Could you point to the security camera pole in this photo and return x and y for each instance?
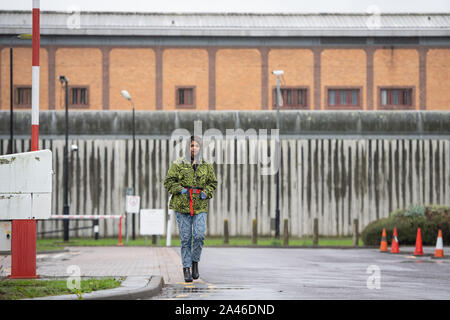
(278, 73)
(127, 96)
(64, 80)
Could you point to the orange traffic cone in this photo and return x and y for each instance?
(383, 245)
(394, 245)
(439, 253)
(419, 249)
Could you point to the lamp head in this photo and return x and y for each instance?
(125, 94)
(25, 36)
(63, 79)
(278, 72)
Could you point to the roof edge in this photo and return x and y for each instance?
(238, 13)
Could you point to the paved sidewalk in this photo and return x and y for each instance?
(141, 266)
(108, 261)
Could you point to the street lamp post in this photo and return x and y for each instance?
(127, 96)
(278, 73)
(65, 81)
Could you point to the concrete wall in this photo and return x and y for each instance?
(343, 166)
(114, 124)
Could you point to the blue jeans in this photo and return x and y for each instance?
(191, 227)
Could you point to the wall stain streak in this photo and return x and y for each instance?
(376, 179)
(322, 175)
(350, 190)
(315, 184)
(336, 183)
(308, 180)
(430, 161)
(410, 170)
(437, 172)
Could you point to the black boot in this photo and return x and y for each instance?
(195, 274)
(187, 274)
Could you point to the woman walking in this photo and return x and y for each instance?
(191, 184)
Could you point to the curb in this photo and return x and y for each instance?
(131, 288)
(249, 246)
(52, 251)
(8, 253)
(290, 247)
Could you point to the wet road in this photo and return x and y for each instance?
(272, 274)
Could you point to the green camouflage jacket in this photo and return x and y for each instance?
(181, 174)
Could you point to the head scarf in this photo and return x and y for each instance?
(199, 141)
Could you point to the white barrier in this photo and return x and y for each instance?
(26, 185)
(85, 217)
(92, 217)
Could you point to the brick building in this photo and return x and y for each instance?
(224, 61)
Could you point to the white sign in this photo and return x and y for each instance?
(133, 204)
(26, 185)
(152, 222)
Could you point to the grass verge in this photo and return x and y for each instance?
(58, 244)
(12, 289)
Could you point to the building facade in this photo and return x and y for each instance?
(225, 61)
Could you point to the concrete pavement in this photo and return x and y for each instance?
(254, 273)
(303, 274)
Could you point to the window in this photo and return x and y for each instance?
(78, 97)
(185, 97)
(22, 97)
(344, 98)
(396, 98)
(293, 98)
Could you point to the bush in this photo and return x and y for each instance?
(428, 218)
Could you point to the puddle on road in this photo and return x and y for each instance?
(424, 259)
(186, 290)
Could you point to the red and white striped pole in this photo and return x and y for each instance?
(35, 79)
(23, 241)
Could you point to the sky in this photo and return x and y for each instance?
(254, 6)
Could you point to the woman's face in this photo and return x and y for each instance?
(195, 149)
